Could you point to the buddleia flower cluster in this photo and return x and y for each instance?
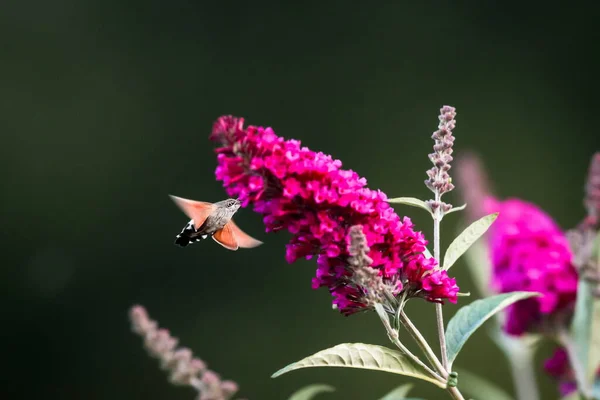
(308, 194)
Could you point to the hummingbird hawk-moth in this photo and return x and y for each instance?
(215, 220)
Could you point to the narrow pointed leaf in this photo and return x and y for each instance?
(399, 393)
(467, 238)
(469, 318)
(585, 328)
(363, 356)
(453, 209)
(427, 253)
(594, 355)
(310, 391)
(479, 387)
(411, 201)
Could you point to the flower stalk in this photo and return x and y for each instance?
(394, 338)
(439, 182)
(439, 315)
(183, 368)
(423, 345)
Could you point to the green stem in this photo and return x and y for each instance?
(520, 353)
(523, 374)
(393, 335)
(418, 337)
(437, 218)
(423, 345)
(455, 393)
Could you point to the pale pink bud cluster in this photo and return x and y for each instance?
(592, 191)
(367, 280)
(439, 181)
(183, 368)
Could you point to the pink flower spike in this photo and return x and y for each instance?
(309, 195)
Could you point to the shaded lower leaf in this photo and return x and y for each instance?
(467, 237)
(399, 393)
(310, 391)
(469, 318)
(596, 388)
(480, 388)
(585, 330)
(411, 201)
(594, 347)
(585, 326)
(363, 356)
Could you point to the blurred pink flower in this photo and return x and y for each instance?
(530, 252)
(558, 367)
(308, 194)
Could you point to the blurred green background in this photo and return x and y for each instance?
(107, 107)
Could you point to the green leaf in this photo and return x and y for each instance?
(594, 354)
(399, 393)
(427, 253)
(363, 356)
(453, 209)
(585, 327)
(479, 387)
(466, 321)
(467, 238)
(596, 388)
(310, 391)
(411, 201)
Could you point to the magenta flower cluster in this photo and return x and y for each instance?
(309, 194)
(530, 252)
(559, 367)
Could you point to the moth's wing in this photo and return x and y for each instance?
(197, 211)
(243, 239)
(226, 238)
